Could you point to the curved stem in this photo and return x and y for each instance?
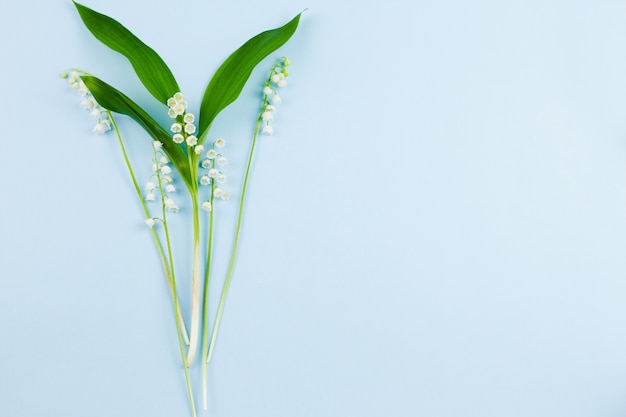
(178, 332)
(205, 305)
(166, 268)
(233, 255)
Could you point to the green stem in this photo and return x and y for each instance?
(195, 276)
(166, 268)
(205, 305)
(169, 270)
(233, 256)
(178, 330)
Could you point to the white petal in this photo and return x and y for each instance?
(192, 140)
(190, 128)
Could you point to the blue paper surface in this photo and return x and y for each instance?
(436, 228)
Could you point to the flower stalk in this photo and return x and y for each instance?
(195, 285)
(277, 76)
(177, 153)
(164, 208)
(168, 267)
(205, 306)
(214, 175)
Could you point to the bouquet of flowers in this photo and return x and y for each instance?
(183, 157)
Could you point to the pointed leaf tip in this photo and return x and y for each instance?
(149, 66)
(232, 75)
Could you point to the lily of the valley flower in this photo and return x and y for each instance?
(277, 77)
(171, 205)
(89, 102)
(179, 149)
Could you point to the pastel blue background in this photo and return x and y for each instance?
(436, 229)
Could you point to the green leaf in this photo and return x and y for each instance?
(114, 100)
(150, 68)
(232, 75)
